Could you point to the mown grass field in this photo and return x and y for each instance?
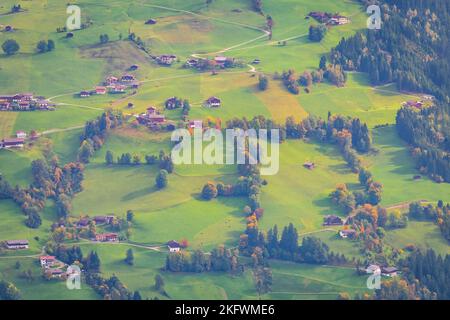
(176, 212)
(40, 289)
(424, 235)
(14, 228)
(299, 195)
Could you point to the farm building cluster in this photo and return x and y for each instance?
(25, 102)
(221, 62)
(332, 19)
(16, 142)
(166, 59)
(113, 85)
(426, 101)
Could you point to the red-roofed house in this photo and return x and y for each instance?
(47, 261)
(107, 237)
(100, 90)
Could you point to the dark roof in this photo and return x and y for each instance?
(17, 242)
(389, 270)
(173, 244)
(13, 141)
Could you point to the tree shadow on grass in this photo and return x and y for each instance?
(139, 193)
(341, 168)
(327, 207)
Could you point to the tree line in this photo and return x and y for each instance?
(95, 132)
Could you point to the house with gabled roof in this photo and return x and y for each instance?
(17, 244)
(100, 90)
(173, 246)
(166, 59)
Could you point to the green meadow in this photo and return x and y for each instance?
(291, 281)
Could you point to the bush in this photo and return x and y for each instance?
(209, 191)
(10, 47)
(161, 179)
